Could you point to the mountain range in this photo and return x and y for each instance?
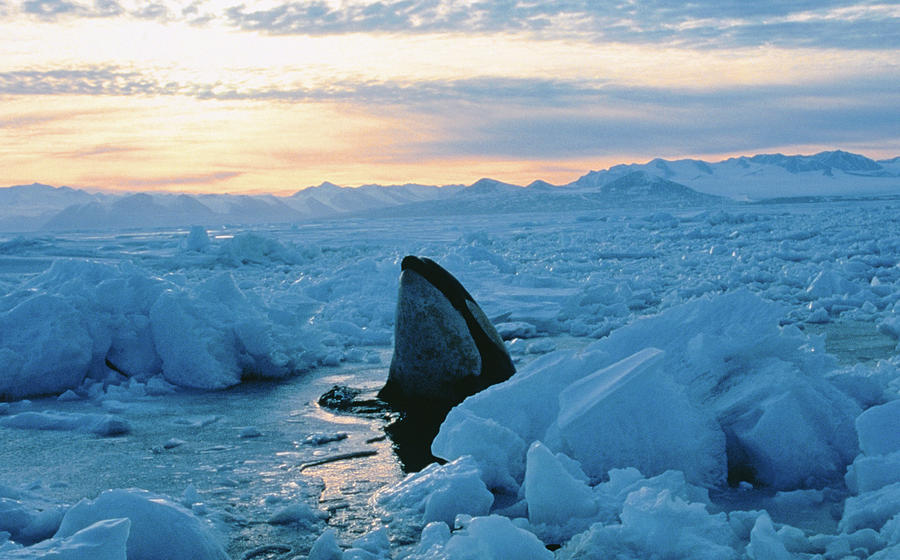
(657, 183)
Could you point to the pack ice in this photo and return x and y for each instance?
(699, 421)
(82, 317)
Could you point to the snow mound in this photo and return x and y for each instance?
(251, 248)
(605, 422)
(659, 524)
(553, 494)
(152, 517)
(45, 347)
(100, 424)
(879, 429)
(437, 493)
(731, 388)
(481, 538)
(103, 540)
(874, 475)
(86, 319)
(27, 518)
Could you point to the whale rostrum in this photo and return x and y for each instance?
(445, 347)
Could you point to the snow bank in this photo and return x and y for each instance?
(656, 523)
(249, 248)
(481, 538)
(554, 495)
(145, 525)
(80, 318)
(632, 413)
(44, 345)
(731, 389)
(100, 424)
(27, 518)
(160, 529)
(629, 516)
(874, 476)
(437, 493)
(103, 540)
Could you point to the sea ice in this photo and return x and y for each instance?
(554, 496)
(100, 424)
(26, 518)
(374, 545)
(871, 509)
(45, 347)
(80, 318)
(656, 523)
(869, 473)
(297, 514)
(631, 413)
(437, 493)
(151, 517)
(879, 429)
(500, 452)
(764, 542)
(197, 240)
(782, 423)
(326, 547)
(484, 538)
(724, 294)
(103, 540)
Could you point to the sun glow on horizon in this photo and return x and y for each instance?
(204, 104)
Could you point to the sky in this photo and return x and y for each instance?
(274, 96)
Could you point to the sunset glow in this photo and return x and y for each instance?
(218, 96)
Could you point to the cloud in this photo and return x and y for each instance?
(95, 151)
(114, 80)
(49, 9)
(199, 179)
(521, 118)
(87, 81)
(542, 119)
(853, 24)
(646, 120)
(704, 23)
(153, 11)
(54, 10)
(21, 121)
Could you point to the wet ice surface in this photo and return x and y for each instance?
(556, 281)
(204, 440)
(244, 450)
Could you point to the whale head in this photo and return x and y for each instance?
(445, 347)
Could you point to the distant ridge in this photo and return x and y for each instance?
(832, 173)
(657, 183)
(646, 187)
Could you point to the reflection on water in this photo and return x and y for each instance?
(196, 444)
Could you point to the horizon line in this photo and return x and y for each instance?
(287, 192)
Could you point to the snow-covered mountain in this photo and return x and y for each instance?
(835, 173)
(30, 206)
(657, 183)
(330, 199)
(646, 187)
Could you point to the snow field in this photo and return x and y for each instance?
(698, 364)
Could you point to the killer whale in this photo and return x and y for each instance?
(445, 347)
